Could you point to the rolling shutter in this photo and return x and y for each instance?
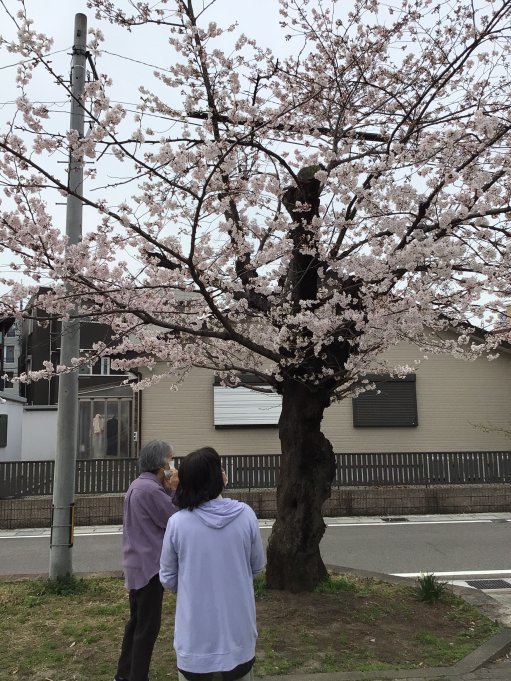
(393, 404)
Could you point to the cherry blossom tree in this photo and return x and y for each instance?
(299, 216)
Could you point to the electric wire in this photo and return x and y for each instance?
(29, 59)
(136, 61)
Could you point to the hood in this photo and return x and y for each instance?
(218, 513)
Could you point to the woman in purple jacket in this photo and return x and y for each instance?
(147, 507)
(211, 552)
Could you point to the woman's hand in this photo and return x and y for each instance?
(171, 483)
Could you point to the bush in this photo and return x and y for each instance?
(429, 588)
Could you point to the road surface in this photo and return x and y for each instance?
(455, 547)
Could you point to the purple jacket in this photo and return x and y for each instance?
(147, 508)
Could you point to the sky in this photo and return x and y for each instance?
(56, 18)
(127, 58)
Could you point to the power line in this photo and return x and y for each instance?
(137, 61)
(26, 61)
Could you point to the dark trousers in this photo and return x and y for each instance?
(141, 631)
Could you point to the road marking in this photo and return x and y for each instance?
(468, 573)
(408, 522)
(46, 535)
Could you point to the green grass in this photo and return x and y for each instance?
(72, 631)
(259, 585)
(429, 588)
(332, 585)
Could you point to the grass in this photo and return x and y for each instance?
(71, 631)
(429, 588)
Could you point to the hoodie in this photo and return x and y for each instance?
(209, 557)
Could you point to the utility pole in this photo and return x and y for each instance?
(62, 524)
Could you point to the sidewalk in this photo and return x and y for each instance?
(263, 523)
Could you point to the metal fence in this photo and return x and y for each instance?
(423, 468)
(110, 476)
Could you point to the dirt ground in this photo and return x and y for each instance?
(358, 624)
(377, 626)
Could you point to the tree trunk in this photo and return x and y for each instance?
(306, 473)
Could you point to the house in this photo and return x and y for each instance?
(448, 404)
(10, 354)
(11, 425)
(11, 405)
(107, 407)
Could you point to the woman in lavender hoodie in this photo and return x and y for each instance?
(211, 552)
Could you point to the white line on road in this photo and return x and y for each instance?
(46, 535)
(407, 522)
(467, 573)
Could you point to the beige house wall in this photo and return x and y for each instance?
(454, 398)
(185, 418)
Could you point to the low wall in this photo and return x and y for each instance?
(345, 501)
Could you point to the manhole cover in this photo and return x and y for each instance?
(489, 583)
(395, 520)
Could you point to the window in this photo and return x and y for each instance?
(3, 430)
(97, 367)
(12, 332)
(9, 354)
(105, 428)
(392, 404)
(245, 407)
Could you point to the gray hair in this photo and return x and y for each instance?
(154, 455)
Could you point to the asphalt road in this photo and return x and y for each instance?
(455, 546)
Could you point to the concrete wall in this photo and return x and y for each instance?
(347, 501)
(455, 401)
(39, 434)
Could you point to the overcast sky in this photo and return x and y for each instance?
(127, 59)
(258, 19)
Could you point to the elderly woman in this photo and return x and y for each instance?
(147, 507)
(211, 552)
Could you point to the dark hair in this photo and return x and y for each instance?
(200, 478)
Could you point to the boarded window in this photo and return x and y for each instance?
(393, 403)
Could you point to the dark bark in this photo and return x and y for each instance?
(306, 473)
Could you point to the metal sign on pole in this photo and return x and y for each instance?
(62, 527)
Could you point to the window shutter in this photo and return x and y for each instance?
(393, 404)
(242, 407)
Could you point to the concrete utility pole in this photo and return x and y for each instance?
(62, 524)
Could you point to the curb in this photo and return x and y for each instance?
(44, 575)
